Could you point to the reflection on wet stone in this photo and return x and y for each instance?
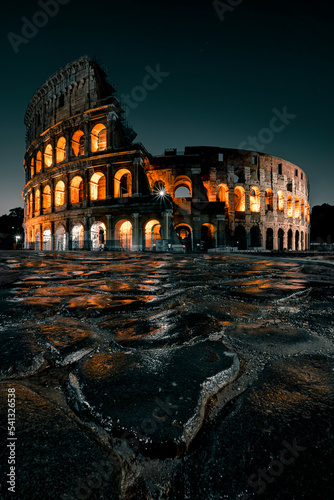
(181, 376)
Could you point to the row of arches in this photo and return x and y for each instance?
(41, 199)
(58, 154)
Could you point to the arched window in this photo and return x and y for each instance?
(76, 189)
(48, 156)
(239, 199)
(37, 200)
(38, 162)
(297, 209)
(255, 199)
(222, 194)
(308, 214)
(99, 138)
(78, 143)
(60, 194)
(302, 208)
(46, 197)
(123, 235)
(61, 150)
(289, 206)
(32, 168)
(31, 211)
(98, 186)
(268, 197)
(123, 183)
(280, 201)
(182, 187)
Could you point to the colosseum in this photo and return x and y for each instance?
(89, 186)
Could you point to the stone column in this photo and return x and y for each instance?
(285, 240)
(108, 181)
(67, 191)
(166, 230)
(111, 123)
(221, 233)
(53, 237)
(52, 186)
(41, 240)
(136, 239)
(87, 139)
(67, 235)
(275, 239)
(135, 180)
(68, 145)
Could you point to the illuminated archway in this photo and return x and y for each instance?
(255, 199)
(290, 239)
(152, 234)
(60, 238)
(223, 194)
(78, 143)
(98, 186)
(302, 208)
(32, 168)
(48, 156)
(99, 138)
(123, 183)
(98, 234)
(239, 199)
(297, 240)
(208, 236)
(77, 237)
(37, 200)
(47, 239)
(289, 206)
(38, 162)
(280, 236)
(182, 187)
(268, 197)
(60, 194)
(31, 204)
(76, 189)
(297, 209)
(61, 150)
(280, 201)
(123, 235)
(185, 235)
(240, 240)
(37, 241)
(46, 197)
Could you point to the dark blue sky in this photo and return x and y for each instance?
(225, 77)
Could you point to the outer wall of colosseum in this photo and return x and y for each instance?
(89, 186)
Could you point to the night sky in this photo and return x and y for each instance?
(227, 71)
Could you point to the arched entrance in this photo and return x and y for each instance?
(153, 235)
(77, 237)
(123, 235)
(37, 241)
(47, 239)
(270, 239)
(208, 236)
(280, 237)
(184, 233)
(290, 239)
(255, 236)
(302, 240)
(297, 240)
(240, 238)
(60, 239)
(98, 235)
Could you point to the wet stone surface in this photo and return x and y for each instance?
(142, 376)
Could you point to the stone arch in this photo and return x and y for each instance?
(297, 208)
(48, 156)
(239, 199)
(269, 239)
(123, 235)
(99, 138)
(223, 194)
(152, 232)
(240, 239)
(185, 235)
(77, 236)
(302, 208)
(269, 200)
(78, 143)
(290, 236)
(60, 194)
(255, 199)
(98, 186)
(98, 232)
(280, 201)
(255, 236)
(46, 197)
(76, 189)
(60, 238)
(61, 150)
(37, 200)
(32, 168)
(280, 237)
(182, 187)
(208, 232)
(123, 183)
(289, 206)
(297, 240)
(47, 239)
(38, 162)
